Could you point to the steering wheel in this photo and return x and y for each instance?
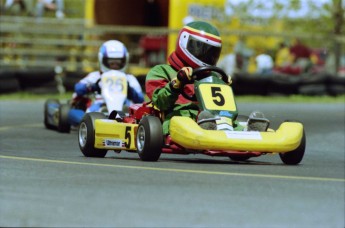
(199, 76)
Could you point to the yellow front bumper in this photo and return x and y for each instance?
(187, 133)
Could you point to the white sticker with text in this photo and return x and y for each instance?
(113, 143)
(252, 135)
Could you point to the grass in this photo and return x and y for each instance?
(276, 99)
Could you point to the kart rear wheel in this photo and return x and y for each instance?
(63, 123)
(294, 157)
(46, 113)
(86, 135)
(149, 138)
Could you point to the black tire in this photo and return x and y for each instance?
(46, 104)
(149, 138)
(239, 157)
(294, 157)
(63, 123)
(86, 135)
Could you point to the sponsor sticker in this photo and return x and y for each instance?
(113, 143)
(106, 120)
(226, 113)
(251, 135)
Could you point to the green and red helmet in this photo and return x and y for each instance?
(199, 44)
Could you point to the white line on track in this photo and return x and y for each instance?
(176, 170)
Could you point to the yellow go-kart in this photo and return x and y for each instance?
(140, 130)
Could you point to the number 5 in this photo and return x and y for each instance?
(128, 136)
(216, 93)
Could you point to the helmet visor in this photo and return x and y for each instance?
(114, 63)
(205, 52)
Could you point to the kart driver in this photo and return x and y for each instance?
(112, 55)
(198, 44)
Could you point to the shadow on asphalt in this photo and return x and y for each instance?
(197, 161)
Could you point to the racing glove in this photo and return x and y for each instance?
(183, 76)
(94, 88)
(229, 80)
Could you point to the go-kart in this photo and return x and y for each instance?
(140, 131)
(113, 96)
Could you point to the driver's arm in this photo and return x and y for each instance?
(158, 87)
(88, 84)
(135, 92)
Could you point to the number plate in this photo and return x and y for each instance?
(114, 83)
(217, 97)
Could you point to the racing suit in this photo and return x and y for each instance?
(82, 88)
(166, 98)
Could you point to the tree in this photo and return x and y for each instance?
(320, 22)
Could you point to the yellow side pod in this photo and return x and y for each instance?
(110, 134)
(187, 133)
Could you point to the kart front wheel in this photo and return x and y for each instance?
(149, 139)
(294, 157)
(86, 135)
(63, 123)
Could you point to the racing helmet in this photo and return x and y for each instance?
(113, 55)
(199, 44)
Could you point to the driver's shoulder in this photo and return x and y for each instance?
(162, 67)
(91, 77)
(94, 74)
(160, 70)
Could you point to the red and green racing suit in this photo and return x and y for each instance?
(167, 99)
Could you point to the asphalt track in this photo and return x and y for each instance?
(45, 181)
